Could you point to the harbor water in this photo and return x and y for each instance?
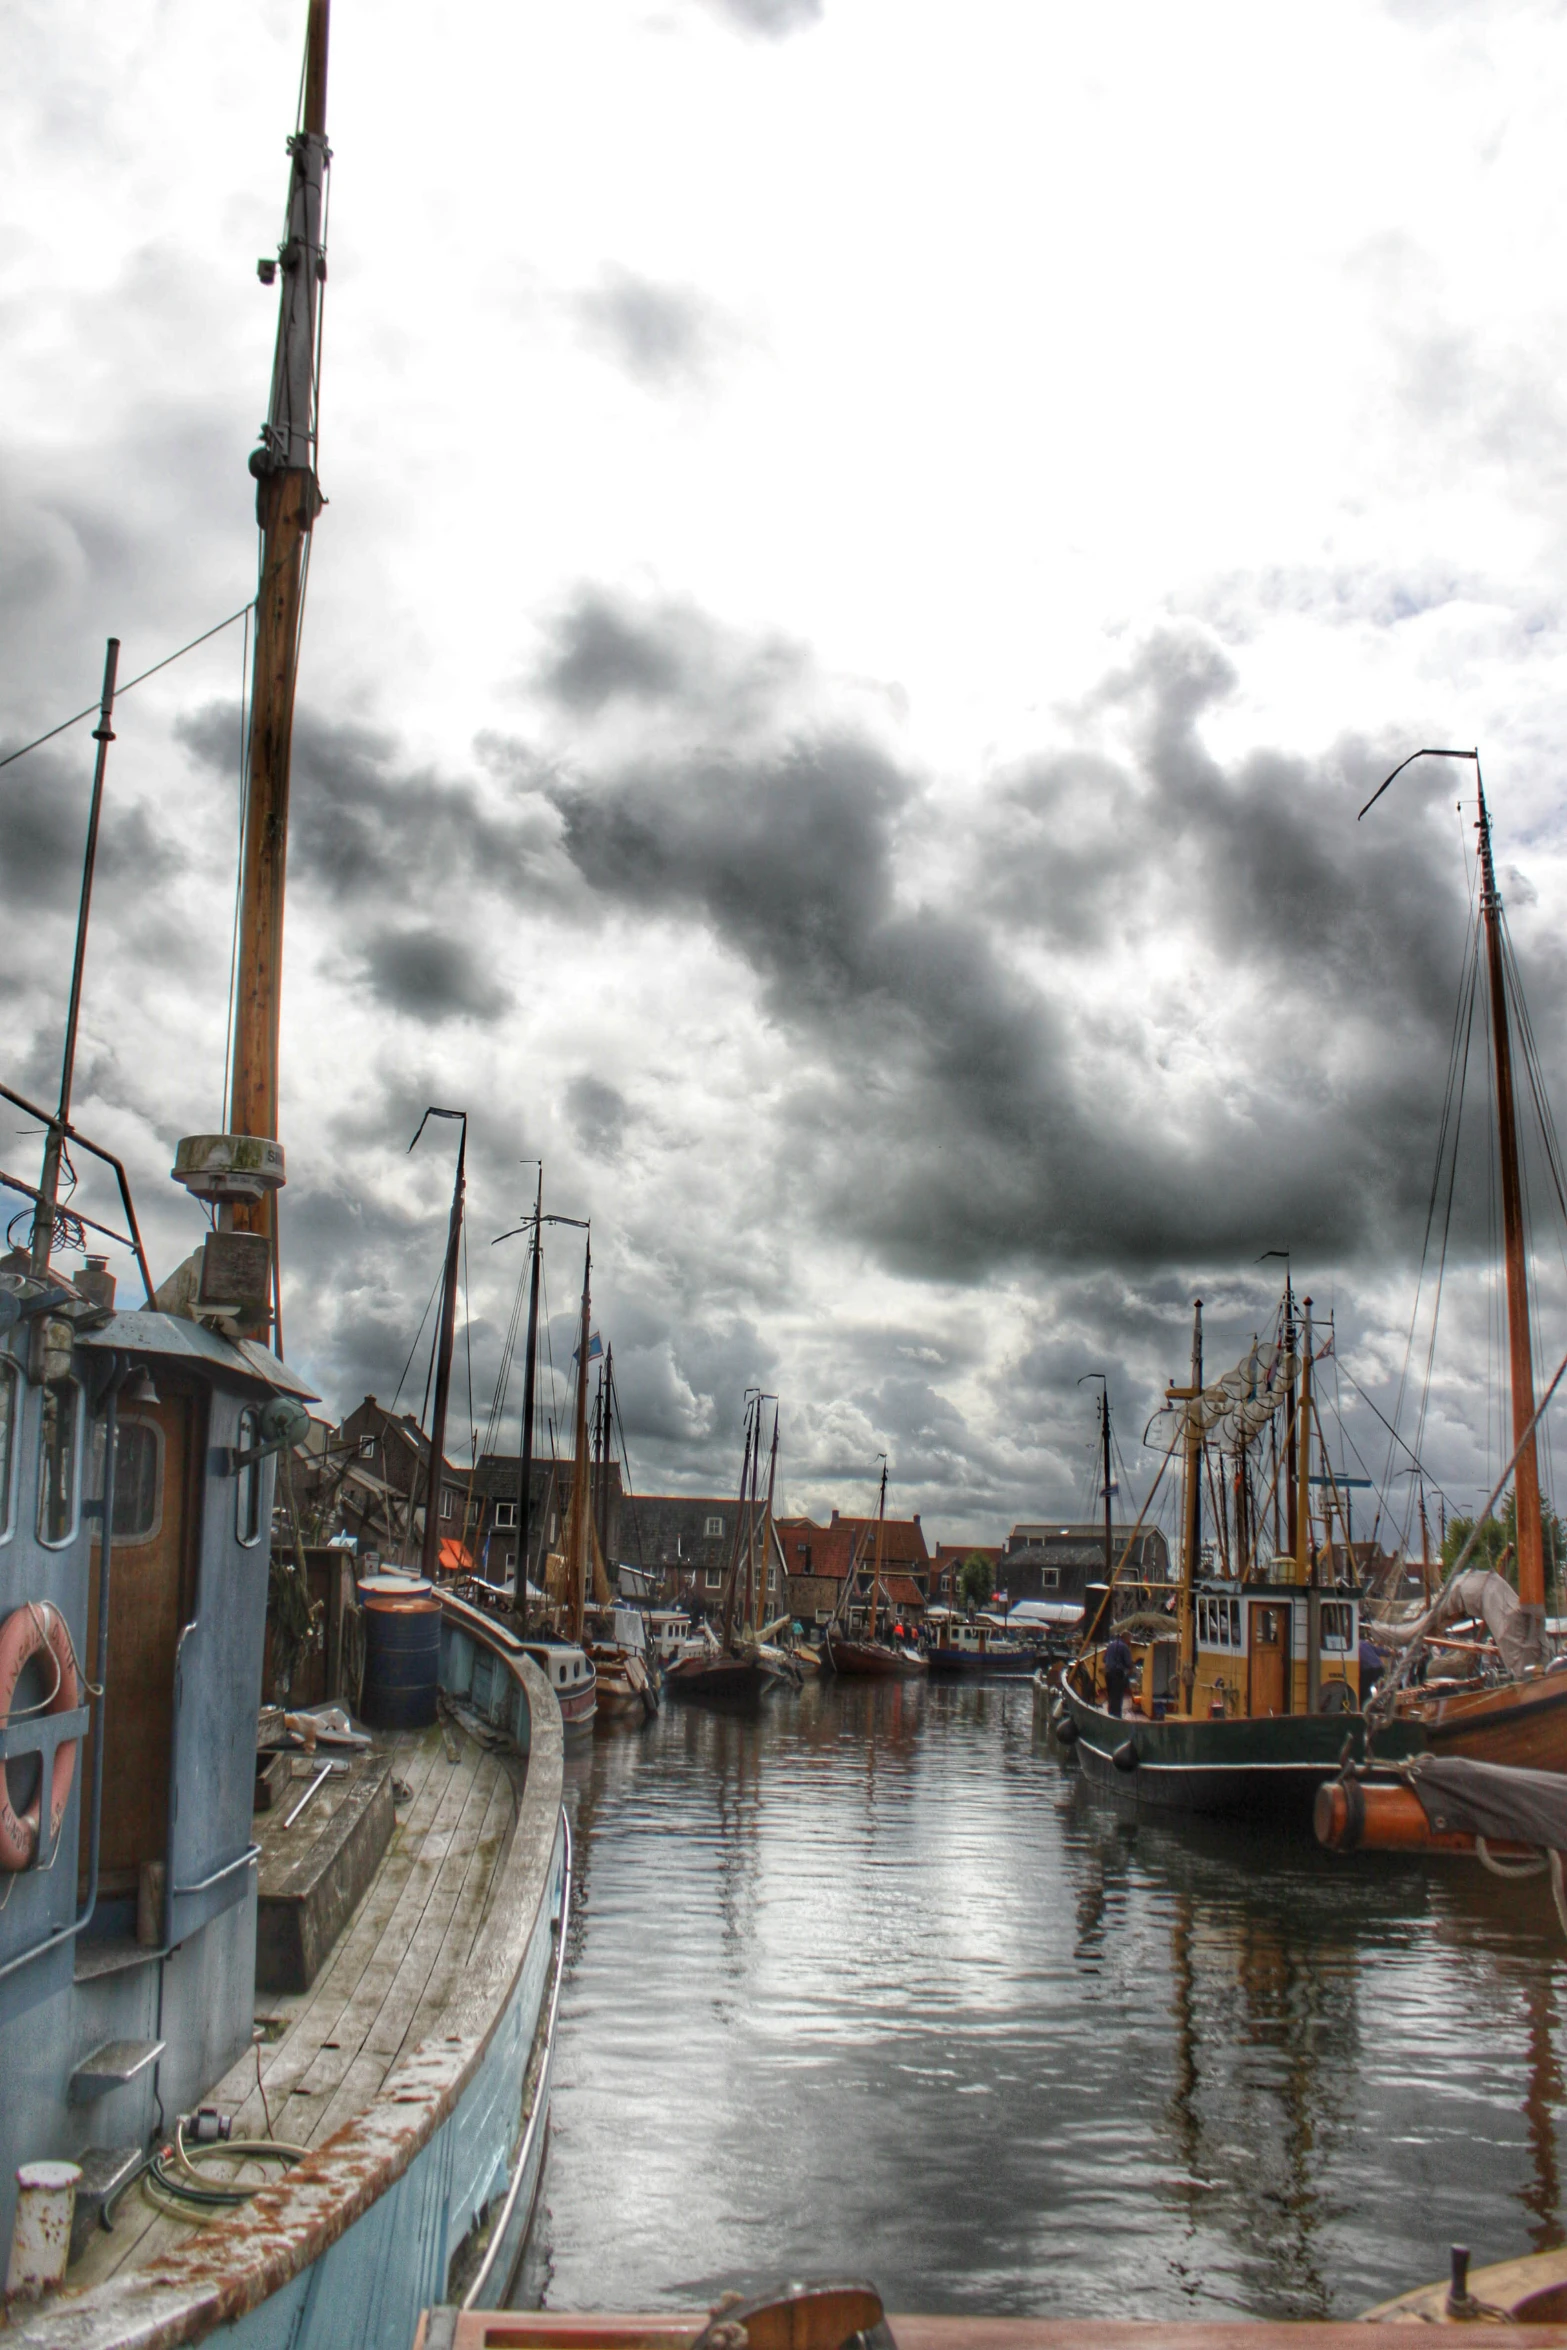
(875, 1984)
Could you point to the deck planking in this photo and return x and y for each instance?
(398, 1962)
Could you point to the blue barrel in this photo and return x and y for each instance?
(402, 1659)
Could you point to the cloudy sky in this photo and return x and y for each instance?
(874, 550)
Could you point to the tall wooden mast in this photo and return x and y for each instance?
(1526, 1477)
(1530, 1535)
(446, 1333)
(239, 1173)
(881, 1528)
(1191, 1513)
(580, 1547)
(288, 499)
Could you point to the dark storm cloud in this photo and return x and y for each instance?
(664, 336)
(365, 828)
(598, 1115)
(44, 803)
(428, 975)
(957, 1105)
(668, 656)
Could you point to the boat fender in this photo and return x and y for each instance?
(34, 1629)
(1125, 1756)
(1065, 1728)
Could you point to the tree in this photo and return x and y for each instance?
(1499, 1534)
(976, 1581)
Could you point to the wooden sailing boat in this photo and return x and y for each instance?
(740, 1667)
(1247, 1693)
(1520, 1717)
(866, 1655)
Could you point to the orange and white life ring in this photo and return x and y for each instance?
(34, 1628)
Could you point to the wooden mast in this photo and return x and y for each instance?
(881, 1523)
(732, 1579)
(767, 1522)
(1104, 1421)
(519, 1597)
(577, 1553)
(430, 1554)
(1526, 1477)
(288, 500)
(1191, 1514)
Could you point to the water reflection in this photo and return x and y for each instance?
(875, 1983)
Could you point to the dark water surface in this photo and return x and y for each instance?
(876, 1984)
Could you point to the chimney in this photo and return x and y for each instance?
(835, 1517)
(916, 1517)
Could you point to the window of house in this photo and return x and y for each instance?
(58, 1445)
(367, 1448)
(448, 1501)
(511, 1562)
(713, 1529)
(554, 1528)
(1049, 1578)
(1219, 1624)
(505, 1513)
(713, 1578)
(247, 1498)
(9, 1390)
(1338, 1627)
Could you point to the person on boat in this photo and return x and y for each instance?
(1118, 1673)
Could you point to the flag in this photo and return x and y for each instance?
(595, 1348)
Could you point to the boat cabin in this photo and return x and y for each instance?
(1266, 1647)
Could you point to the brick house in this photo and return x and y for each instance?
(383, 1460)
(687, 1541)
(493, 1513)
(948, 1564)
(818, 1559)
(1052, 1561)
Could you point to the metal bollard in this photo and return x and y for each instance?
(41, 2238)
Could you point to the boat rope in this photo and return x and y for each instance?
(94, 707)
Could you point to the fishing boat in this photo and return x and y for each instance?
(372, 2140)
(975, 1647)
(867, 1653)
(739, 1666)
(1515, 1710)
(1246, 1685)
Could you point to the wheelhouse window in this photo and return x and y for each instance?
(1338, 1627)
(58, 1464)
(1219, 1624)
(247, 1495)
(138, 1477)
(10, 1386)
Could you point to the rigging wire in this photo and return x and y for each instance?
(121, 691)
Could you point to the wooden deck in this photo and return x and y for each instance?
(386, 1987)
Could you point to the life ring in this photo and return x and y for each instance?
(37, 1625)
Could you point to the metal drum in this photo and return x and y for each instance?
(402, 1657)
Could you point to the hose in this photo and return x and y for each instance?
(195, 2197)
